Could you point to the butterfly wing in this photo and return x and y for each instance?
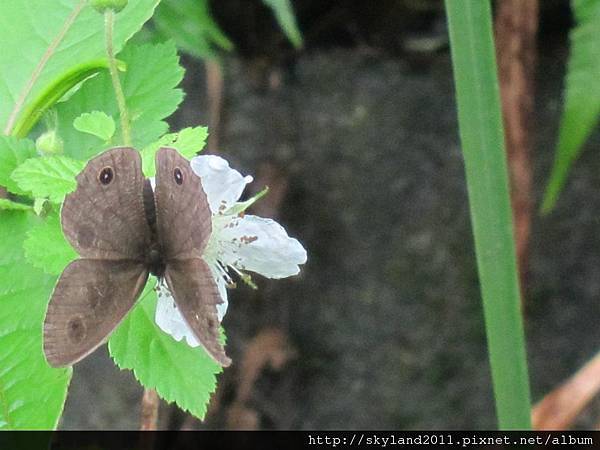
(89, 301)
(104, 218)
(196, 294)
(183, 217)
(183, 221)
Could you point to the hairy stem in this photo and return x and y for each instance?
(109, 21)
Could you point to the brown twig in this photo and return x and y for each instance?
(214, 91)
(269, 348)
(516, 29)
(149, 412)
(558, 409)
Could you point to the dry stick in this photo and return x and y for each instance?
(516, 29)
(38, 70)
(558, 409)
(214, 91)
(149, 412)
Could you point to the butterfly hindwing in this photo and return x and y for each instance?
(89, 301)
(196, 295)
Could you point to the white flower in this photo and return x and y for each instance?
(239, 242)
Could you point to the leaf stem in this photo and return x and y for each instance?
(109, 20)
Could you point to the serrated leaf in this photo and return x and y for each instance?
(177, 371)
(190, 24)
(96, 123)
(582, 97)
(46, 247)
(75, 31)
(149, 85)
(32, 394)
(189, 142)
(284, 13)
(14, 206)
(48, 176)
(13, 152)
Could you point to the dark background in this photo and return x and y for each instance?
(356, 135)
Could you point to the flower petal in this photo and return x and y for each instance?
(260, 245)
(222, 285)
(169, 319)
(222, 184)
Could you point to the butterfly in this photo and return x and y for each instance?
(124, 231)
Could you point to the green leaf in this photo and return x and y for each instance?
(582, 96)
(284, 13)
(13, 152)
(177, 371)
(32, 394)
(190, 24)
(46, 247)
(60, 36)
(482, 138)
(14, 206)
(189, 142)
(54, 92)
(149, 85)
(96, 123)
(48, 176)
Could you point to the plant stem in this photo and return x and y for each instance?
(516, 28)
(149, 413)
(109, 20)
(482, 137)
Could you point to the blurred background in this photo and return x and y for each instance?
(354, 130)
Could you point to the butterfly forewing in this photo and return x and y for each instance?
(183, 216)
(89, 301)
(104, 218)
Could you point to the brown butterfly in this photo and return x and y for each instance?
(124, 231)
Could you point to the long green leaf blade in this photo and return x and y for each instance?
(582, 96)
(482, 139)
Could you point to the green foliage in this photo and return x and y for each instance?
(59, 36)
(190, 24)
(10, 205)
(53, 93)
(189, 142)
(284, 13)
(149, 85)
(31, 393)
(46, 247)
(50, 143)
(103, 5)
(13, 152)
(96, 123)
(582, 96)
(177, 371)
(482, 138)
(48, 176)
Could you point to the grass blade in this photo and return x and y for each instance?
(482, 139)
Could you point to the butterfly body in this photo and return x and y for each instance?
(125, 231)
(154, 260)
